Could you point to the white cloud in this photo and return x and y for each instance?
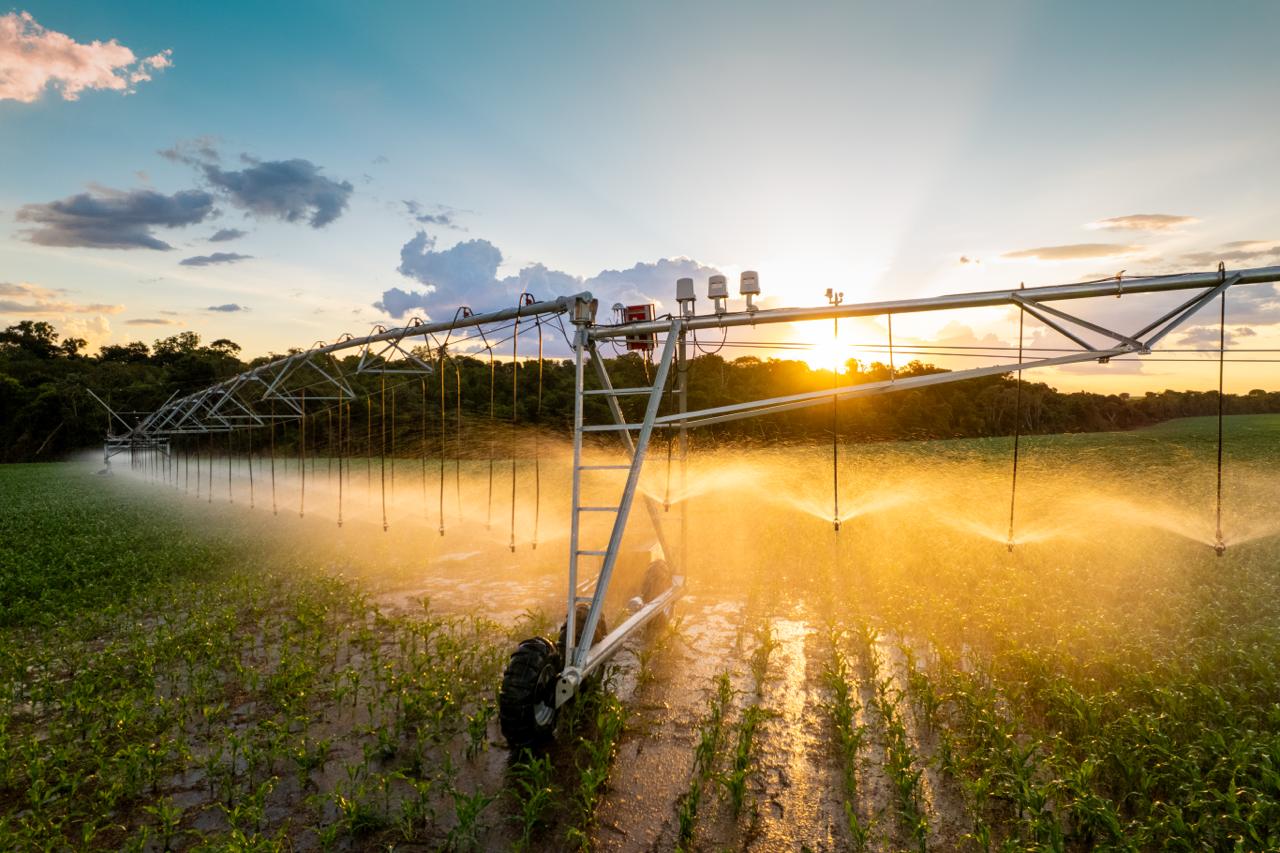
(1144, 222)
(33, 300)
(1073, 252)
(96, 330)
(33, 59)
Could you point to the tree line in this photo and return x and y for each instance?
(47, 413)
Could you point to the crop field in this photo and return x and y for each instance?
(193, 672)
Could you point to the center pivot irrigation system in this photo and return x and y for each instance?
(541, 677)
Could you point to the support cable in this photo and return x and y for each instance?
(892, 371)
(231, 453)
(537, 432)
(515, 399)
(423, 382)
(671, 442)
(341, 453)
(835, 298)
(1017, 432)
(302, 456)
(249, 438)
(457, 453)
(274, 509)
(488, 518)
(1219, 544)
(442, 441)
(382, 454)
(835, 433)
(393, 437)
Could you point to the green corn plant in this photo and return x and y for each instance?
(534, 792)
(467, 809)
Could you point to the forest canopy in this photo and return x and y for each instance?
(48, 413)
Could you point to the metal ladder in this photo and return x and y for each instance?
(580, 659)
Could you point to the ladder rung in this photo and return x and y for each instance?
(617, 392)
(597, 509)
(591, 553)
(604, 467)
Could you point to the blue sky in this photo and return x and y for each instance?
(865, 146)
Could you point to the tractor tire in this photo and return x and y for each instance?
(657, 580)
(527, 700)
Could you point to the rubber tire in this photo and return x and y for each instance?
(657, 580)
(527, 699)
(580, 620)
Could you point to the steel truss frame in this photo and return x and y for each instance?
(314, 376)
(673, 332)
(236, 403)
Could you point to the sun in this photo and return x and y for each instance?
(830, 353)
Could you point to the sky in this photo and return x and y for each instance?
(279, 174)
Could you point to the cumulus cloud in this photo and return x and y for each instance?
(228, 308)
(95, 331)
(466, 274)
(32, 299)
(1143, 222)
(1073, 252)
(215, 258)
(34, 60)
(645, 282)
(113, 219)
(223, 235)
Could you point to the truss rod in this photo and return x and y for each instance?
(981, 299)
(754, 408)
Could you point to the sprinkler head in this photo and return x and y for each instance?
(442, 530)
(1220, 547)
(835, 522)
(1009, 545)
